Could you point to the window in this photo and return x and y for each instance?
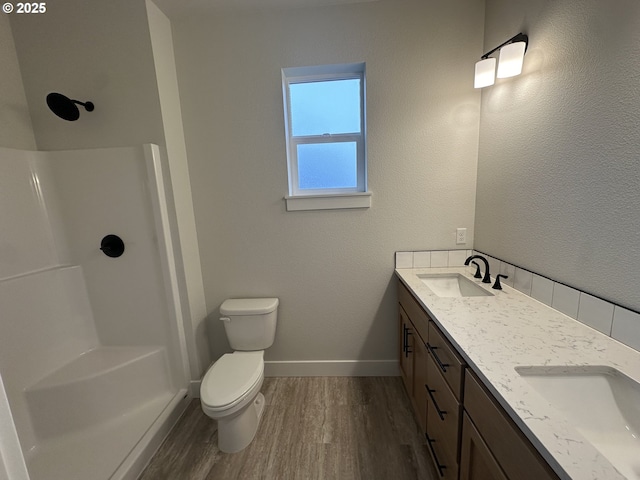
(325, 134)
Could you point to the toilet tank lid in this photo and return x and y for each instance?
(248, 306)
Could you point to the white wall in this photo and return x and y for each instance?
(16, 131)
(332, 270)
(558, 169)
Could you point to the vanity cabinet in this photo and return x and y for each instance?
(469, 435)
(432, 372)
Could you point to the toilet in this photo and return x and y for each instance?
(230, 390)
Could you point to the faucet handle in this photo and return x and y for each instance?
(497, 285)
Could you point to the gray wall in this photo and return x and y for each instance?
(332, 270)
(558, 170)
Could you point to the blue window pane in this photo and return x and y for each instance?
(325, 107)
(327, 165)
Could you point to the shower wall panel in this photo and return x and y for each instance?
(46, 322)
(102, 192)
(77, 325)
(108, 191)
(26, 243)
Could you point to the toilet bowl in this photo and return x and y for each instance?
(230, 390)
(230, 394)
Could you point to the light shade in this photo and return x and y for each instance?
(511, 59)
(485, 73)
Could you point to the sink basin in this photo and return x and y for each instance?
(453, 285)
(602, 404)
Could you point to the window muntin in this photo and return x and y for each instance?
(325, 128)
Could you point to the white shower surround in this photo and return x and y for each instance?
(79, 324)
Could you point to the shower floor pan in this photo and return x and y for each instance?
(88, 415)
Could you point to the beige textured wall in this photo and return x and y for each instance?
(332, 270)
(16, 131)
(558, 170)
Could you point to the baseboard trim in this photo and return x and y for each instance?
(332, 368)
(322, 368)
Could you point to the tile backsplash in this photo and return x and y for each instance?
(432, 258)
(611, 319)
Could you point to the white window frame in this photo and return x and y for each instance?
(325, 198)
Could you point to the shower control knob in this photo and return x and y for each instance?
(112, 246)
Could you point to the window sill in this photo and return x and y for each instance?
(328, 202)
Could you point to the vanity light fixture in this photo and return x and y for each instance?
(485, 73)
(509, 62)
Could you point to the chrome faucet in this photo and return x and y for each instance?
(487, 277)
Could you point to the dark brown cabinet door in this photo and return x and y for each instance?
(476, 461)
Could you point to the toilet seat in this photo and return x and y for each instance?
(230, 379)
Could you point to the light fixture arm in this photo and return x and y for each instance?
(521, 37)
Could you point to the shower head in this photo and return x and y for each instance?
(66, 108)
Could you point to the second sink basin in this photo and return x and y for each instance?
(601, 403)
(453, 285)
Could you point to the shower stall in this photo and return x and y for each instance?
(93, 363)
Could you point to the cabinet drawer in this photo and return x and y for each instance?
(418, 316)
(446, 465)
(512, 450)
(446, 359)
(444, 410)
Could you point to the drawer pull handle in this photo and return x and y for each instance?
(404, 339)
(443, 366)
(441, 413)
(435, 457)
(405, 347)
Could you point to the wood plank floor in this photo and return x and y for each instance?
(312, 428)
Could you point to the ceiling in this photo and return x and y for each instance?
(173, 8)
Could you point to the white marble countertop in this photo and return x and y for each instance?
(495, 334)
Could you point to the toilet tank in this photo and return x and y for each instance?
(250, 323)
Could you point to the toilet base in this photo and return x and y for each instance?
(237, 432)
